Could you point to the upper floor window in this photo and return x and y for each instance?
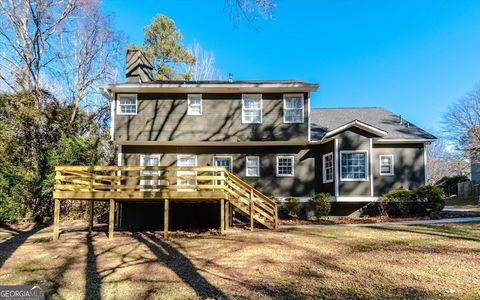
(293, 107)
(386, 165)
(251, 109)
(328, 167)
(353, 165)
(252, 166)
(284, 165)
(194, 104)
(127, 105)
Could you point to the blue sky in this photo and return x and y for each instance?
(412, 57)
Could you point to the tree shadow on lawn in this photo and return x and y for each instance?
(181, 265)
(93, 281)
(8, 247)
(347, 291)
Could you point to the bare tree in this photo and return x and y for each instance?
(26, 30)
(204, 67)
(444, 163)
(462, 124)
(88, 53)
(250, 10)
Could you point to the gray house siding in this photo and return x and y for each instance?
(163, 117)
(351, 140)
(302, 184)
(409, 169)
(320, 186)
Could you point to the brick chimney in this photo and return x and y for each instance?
(138, 68)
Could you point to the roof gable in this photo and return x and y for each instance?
(325, 120)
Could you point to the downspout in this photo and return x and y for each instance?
(425, 163)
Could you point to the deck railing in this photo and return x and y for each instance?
(131, 183)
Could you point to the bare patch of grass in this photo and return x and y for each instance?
(378, 262)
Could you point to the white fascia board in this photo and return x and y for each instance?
(354, 199)
(357, 124)
(393, 141)
(210, 87)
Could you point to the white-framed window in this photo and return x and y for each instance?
(149, 160)
(386, 164)
(293, 108)
(194, 105)
(252, 166)
(222, 161)
(186, 160)
(327, 167)
(127, 104)
(252, 108)
(285, 166)
(353, 165)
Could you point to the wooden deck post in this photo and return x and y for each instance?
(165, 219)
(56, 220)
(252, 210)
(222, 216)
(90, 215)
(226, 215)
(111, 218)
(276, 218)
(230, 214)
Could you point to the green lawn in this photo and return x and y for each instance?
(378, 262)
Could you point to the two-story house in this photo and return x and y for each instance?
(265, 132)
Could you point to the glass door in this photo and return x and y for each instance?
(186, 161)
(149, 160)
(222, 161)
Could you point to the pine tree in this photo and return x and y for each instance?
(163, 47)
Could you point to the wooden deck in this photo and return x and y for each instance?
(139, 183)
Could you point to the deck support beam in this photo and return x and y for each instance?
(111, 218)
(56, 220)
(222, 216)
(165, 219)
(90, 215)
(230, 214)
(226, 215)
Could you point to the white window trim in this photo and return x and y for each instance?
(392, 169)
(224, 156)
(293, 165)
(258, 166)
(189, 96)
(261, 108)
(367, 174)
(179, 173)
(142, 181)
(284, 108)
(119, 108)
(325, 169)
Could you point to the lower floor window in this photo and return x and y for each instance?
(386, 165)
(284, 165)
(353, 165)
(252, 166)
(328, 167)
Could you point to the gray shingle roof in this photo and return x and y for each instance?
(327, 119)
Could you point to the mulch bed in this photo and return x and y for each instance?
(380, 219)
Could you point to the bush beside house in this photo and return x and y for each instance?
(408, 203)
